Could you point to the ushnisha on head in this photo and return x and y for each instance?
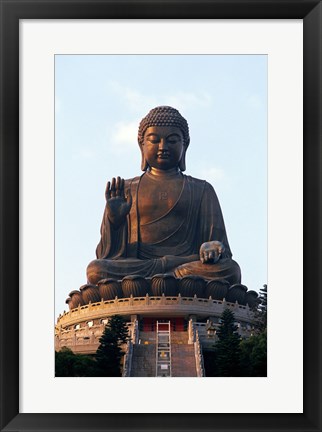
(169, 117)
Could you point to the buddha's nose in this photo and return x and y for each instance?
(163, 144)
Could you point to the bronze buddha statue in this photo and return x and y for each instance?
(163, 221)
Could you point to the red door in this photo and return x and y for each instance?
(149, 324)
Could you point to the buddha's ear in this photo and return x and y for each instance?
(144, 164)
(182, 162)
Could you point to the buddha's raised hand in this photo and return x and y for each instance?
(117, 204)
(210, 252)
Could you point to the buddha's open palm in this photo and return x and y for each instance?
(117, 204)
(210, 252)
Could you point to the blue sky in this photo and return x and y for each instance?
(99, 102)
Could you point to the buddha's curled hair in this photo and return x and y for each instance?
(164, 116)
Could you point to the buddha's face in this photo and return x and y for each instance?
(163, 146)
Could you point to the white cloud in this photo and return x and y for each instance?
(213, 175)
(85, 153)
(124, 137)
(134, 100)
(141, 102)
(184, 100)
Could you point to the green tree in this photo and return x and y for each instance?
(85, 366)
(210, 363)
(253, 356)
(68, 364)
(107, 360)
(261, 311)
(109, 354)
(118, 326)
(64, 363)
(227, 348)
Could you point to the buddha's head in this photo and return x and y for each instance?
(163, 139)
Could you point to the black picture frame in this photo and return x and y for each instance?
(11, 12)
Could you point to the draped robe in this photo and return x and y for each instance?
(164, 244)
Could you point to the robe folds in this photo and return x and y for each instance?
(173, 240)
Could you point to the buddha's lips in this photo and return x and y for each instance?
(163, 155)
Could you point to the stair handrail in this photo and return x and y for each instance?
(134, 338)
(156, 347)
(191, 333)
(198, 354)
(135, 332)
(170, 359)
(128, 359)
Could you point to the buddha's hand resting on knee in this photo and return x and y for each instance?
(117, 204)
(210, 252)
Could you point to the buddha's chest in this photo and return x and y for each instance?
(156, 197)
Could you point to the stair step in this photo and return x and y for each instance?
(183, 363)
(143, 361)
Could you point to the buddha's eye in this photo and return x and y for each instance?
(173, 139)
(153, 139)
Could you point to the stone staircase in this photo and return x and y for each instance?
(143, 360)
(183, 361)
(176, 337)
(179, 338)
(147, 337)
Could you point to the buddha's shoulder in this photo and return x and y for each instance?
(132, 181)
(198, 183)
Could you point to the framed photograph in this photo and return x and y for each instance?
(48, 51)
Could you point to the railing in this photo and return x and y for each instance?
(124, 305)
(135, 332)
(81, 336)
(88, 335)
(208, 331)
(193, 335)
(199, 357)
(128, 359)
(194, 338)
(191, 332)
